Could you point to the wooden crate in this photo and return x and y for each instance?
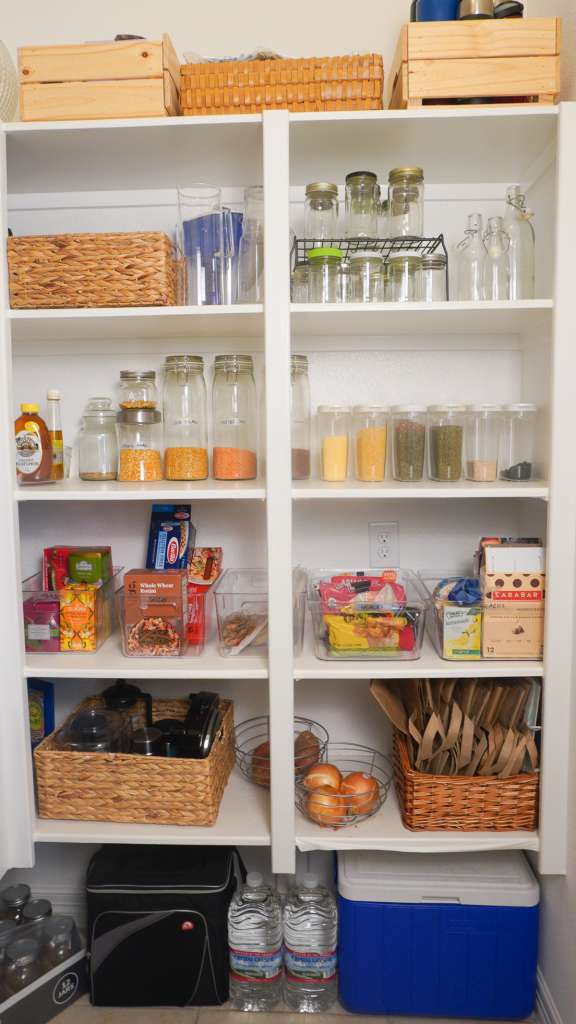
(129, 78)
(515, 60)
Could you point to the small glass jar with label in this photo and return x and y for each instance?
(406, 202)
(370, 429)
(404, 273)
(323, 276)
(366, 267)
(139, 445)
(333, 436)
(433, 278)
(138, 389)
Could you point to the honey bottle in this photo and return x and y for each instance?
(33, 447)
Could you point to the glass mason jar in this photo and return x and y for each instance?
(22, 964)
(234, 418)
(300, 402)
(404, 277)
(299, 283)
(60, 940)
(433, 278)
(366, 272)
(408, 442)
(140, 445)
(321, 211)
(323, 274)
(333, 432)
(362, 203)
(445, 437)
(481, 441)
(344, 284)
(406, 202)
(138, 389)
(369, 427)
(13, 900)
(518, 441)
(185, 419)
(97, 443)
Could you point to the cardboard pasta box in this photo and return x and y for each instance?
(155, 612)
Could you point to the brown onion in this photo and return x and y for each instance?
(323, 775)
(362, 792)
(324, 806)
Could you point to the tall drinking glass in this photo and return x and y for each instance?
(251, 252)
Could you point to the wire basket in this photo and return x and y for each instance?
(332, 809)
(252, 747)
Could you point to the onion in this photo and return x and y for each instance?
(362, 792)
(324, 806)
(323, 775)
(260, 766)
(306, 750)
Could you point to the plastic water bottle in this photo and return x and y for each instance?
(255, 942)
(310, 937)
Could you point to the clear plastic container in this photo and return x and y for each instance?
(370, 430)
(445, 441)
(404, 277)
(323, 274)
(255, 941)
(367, 280)
(481, 441)
(162, 632)
(185, 419)
(300, 414)
(95, 731)
(333, 435)
(518, 441)
(310, 941)
(367, 614)
(455, 629)
(138, 389)
(97, 443)
(408, 424)
(321, 211)
(299, 283)
(234, 419)
(251, 249)
(362, 204)
(241, 598)
(76, 619)
(433, 278)
(406, 202)
(139, 434)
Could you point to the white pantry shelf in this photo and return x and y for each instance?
(244, 820)
(319, 490)
(161, 490)
(110, 663)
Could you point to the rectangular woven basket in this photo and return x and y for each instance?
(460, 803)
(133, 788)
(308, 84)
(93, 270)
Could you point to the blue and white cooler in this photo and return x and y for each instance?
(446, 935)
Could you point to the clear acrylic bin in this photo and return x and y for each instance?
(76, 619)
(241, 598)
(155, 635)
(367, 614)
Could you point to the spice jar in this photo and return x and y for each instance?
(185, 416)
(333, 431)
(481, 439)
(518, 439)
(234, 413)
(406, 202)
(445, 436)
(370, 435)
(299, 283)
(300, 410)
(366, 273)
(324, 264)
(362, 204)
(138, 389)
(97, 443)
(321, 211)
(433, 278)
(140, 444)
(408, 442)
(404, 272)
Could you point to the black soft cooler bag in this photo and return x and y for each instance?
(157, 924)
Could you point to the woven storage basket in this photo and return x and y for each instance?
(440, 803)
(133, 788)
(311, 84)
(88, 270)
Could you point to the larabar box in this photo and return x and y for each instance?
(513, 589)
(155, 612)
(513, 633)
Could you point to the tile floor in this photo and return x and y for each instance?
(83, 1013)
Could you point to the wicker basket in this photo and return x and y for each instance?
(310, 84)
(133, 788)
(440, 803)
(93, 270)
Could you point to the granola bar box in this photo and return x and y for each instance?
(155, 610)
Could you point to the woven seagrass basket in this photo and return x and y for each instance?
(93, 270)
(133, 788)
(461, 803)
(302, 85)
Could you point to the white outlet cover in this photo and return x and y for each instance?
(384, 545)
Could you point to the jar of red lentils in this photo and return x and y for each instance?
(139, 445)
(234, 415)
(185, 444)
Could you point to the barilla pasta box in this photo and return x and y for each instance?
(170, 538)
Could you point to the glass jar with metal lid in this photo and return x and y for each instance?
(323, 274)
(97, 443)
(433, 278)
(362, 204)
(234, 418)
(300, 409)
(406, 202)
(321, 211)
(138, 389)
(404, 273)
(299, 283)
(140, 445)
(36, 911)
(22, 964)
(185, 419)
(366, 268)
(12, 902)
(445, 437)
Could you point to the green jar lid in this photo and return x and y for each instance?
(325, 251)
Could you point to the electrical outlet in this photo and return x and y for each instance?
(384, 545)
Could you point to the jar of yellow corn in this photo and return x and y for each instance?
(370, 433)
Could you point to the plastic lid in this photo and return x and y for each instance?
(448, 407)
(521, 407)
(322, 186)
(325, 251)
(410, 254)
(409, 408)
(365, 254)
(310, 880)
(30, 407)
(139, 417)
(254, 879)
(359, 409)
(503, 879)
(334, 408)
(53, 395)
(484, 408)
